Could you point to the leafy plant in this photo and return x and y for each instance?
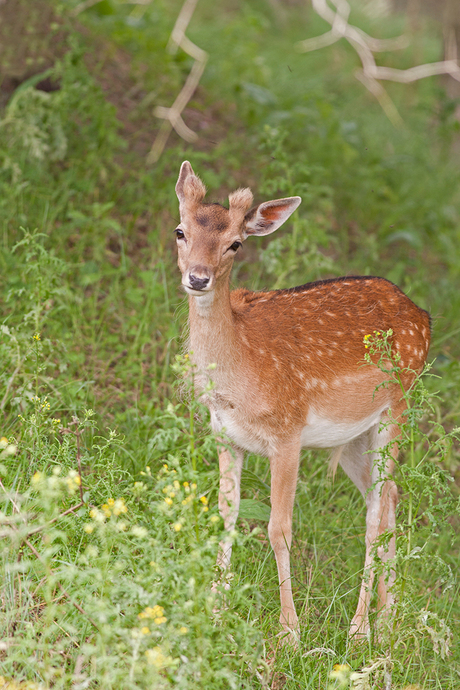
(427, 499)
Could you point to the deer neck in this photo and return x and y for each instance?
(212, 330)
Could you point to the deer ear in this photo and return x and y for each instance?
(269, 216)
(189, 186)
(185, 170)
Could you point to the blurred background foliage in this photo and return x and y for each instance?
(81, 81)
(88, 257)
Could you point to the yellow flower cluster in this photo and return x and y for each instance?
(73, 481)
(115, 507)
(42, 402)
(185, 493)
(37, 337)
(368, 336)
(172, 491)
(7, 448)
(36, 478)
(155, 612)
(156, 657)
(112, 507)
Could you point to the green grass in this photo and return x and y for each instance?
(100, 285)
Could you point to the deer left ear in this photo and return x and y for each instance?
(269, 216)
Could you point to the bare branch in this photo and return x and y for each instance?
(173, 116)
(365, 46)
(180, 27)
(58, 517)
(419, 72)
(82, 6)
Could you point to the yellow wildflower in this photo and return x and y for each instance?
(156, 657)
(119, 507)
(37, 477)
(152, 612)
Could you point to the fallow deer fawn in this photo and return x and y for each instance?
(289, 374)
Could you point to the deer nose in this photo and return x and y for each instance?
(197, 283)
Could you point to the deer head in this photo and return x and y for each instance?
(209, 235)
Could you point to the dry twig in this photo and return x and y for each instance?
(173, 116)
(365, 46)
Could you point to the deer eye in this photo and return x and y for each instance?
(235, 246)
(179, 234)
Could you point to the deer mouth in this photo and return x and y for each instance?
(197, 293)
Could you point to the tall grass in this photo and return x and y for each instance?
(99, 545)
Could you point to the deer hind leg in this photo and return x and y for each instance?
(284, 467)
(230, 465)
(369, 469)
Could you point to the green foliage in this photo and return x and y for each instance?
(428, 498)
(91, 320)
(296, 256)
(121, 591)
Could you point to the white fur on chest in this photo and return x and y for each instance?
(242, 435)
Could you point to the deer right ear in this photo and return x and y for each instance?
(188, 185)
(269, 216)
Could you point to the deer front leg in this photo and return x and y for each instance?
(284, 467)
(230, 465)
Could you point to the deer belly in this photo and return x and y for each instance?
(227, 423)
(321, 432)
